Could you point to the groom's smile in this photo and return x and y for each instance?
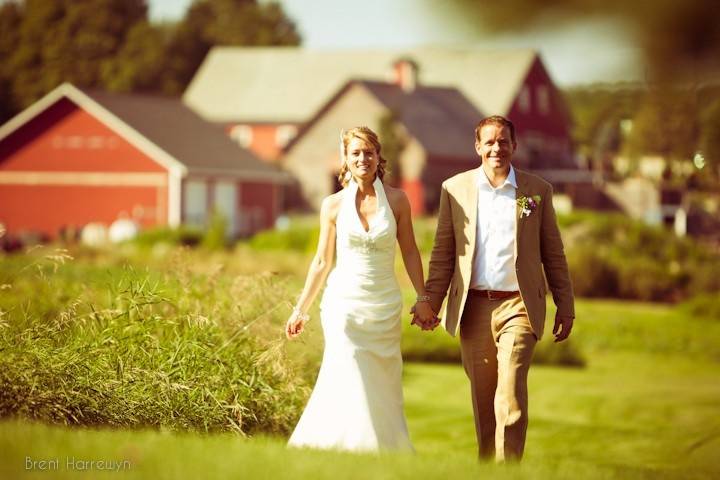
(495, 147)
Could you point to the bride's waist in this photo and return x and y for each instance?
(353, 270)
(362, 279)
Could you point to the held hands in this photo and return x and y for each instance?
(423, 316)
(563, 326)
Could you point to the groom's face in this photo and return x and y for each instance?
(495, 146)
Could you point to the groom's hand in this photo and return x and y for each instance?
(563, 327)
(423, 316)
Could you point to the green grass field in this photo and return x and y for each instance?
(627, 415)
(646, 404)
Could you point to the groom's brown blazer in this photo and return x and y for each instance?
(538, 247)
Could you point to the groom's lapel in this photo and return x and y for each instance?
(521, 191)
(471, 207)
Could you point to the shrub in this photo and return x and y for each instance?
(182, 235)
(216, 235)
(439, 347)
(565, 353)
(705, 306)
(614, 256)
(298, 238)
(645, 279)
(593, 275)
(178, 350)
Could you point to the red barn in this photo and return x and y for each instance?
(76, 157)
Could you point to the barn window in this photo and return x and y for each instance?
(524, 99)
(543, 99)
(242, 134)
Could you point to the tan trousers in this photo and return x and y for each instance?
(497, 345)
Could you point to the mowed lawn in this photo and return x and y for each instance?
(627, 415)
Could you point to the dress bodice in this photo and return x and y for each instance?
(372, 251)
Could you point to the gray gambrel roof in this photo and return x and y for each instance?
(199, 145)
(163, 128)
(438, 118)
(289, 84)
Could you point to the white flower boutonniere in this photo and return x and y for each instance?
(528, 204)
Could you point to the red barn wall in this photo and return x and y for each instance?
(547, 133)
(49, 208)
(259, 204)
(65, 139)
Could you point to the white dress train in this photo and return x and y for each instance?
(357, 402)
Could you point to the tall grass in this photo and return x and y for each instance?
(113, 345)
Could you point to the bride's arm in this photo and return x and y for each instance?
(319, 268)
(411, 257)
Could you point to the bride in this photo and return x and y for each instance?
(357, 402)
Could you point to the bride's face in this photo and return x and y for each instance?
(362, 159)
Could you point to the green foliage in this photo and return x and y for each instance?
(68, 41)
(93, 345)
(614, 256)
(300, 237)
(182, 235)
(597, 112)
(216, 235)
(710, 139)
(655, 416)
(703, 307)
(139, 64)
(439, 347)
(110, 44)
(392, 146)
(10, 16)
(207, 23)
(666, 124)
(168, 324)
(564, 354)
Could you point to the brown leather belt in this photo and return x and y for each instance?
(492, 294)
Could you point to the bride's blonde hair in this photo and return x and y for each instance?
(367, 136)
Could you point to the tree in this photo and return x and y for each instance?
(139, 65)
(666, 124)
(222, 22)
(710, 140)
(393, 145)
(68, 41)
(110, 44)
(10, 17)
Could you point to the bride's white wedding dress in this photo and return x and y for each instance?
(357, 402)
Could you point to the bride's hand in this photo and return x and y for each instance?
(424, 316)
(294, 326)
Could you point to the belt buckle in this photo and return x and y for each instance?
(490, 295)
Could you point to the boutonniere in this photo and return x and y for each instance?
(528, 204)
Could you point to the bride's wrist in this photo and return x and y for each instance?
(423, 299)
(300, 314)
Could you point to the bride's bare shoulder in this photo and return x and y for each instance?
(331, 205)
(396, 196)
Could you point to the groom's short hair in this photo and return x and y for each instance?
(498, 121)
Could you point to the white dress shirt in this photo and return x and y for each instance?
(494, 260)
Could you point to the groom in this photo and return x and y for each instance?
(496, 234)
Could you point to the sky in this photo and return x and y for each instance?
(587, 51)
